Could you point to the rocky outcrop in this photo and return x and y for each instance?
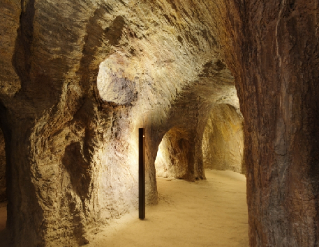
(223, 141)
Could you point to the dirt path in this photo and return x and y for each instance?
(206, 213)
(211, 213)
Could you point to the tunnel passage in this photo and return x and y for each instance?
(174, 158)
(222, 145)
(274, 64)
(223, 140)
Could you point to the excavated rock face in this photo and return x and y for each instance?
(222, 144)
(71, 132)
(3, 186)
(223, 141)
(273, 55)
(78, 79)
(174, 158)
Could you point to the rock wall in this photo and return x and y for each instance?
(3, 186)
(272, 49)
(71, 145)
(223, 141)
(78, 79)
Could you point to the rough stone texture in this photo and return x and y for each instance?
(174, 159)
(112, 83)
(72, 146)
(3, 186)
(222, 145)
(223, 141)
(273, 55)
(75, 130)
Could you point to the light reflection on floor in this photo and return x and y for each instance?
(207, 213)
(212, 212)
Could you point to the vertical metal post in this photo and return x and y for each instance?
(141, 172)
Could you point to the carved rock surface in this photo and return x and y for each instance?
(273, 55)
(223, 141)
(79, 78)
(174, 157)
(3, 186)
(112, 81)
(71, 140)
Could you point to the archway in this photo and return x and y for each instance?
(222, 145)
(174, 157)
(217, 202)
(223, 139)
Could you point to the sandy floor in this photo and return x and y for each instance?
(206, 213)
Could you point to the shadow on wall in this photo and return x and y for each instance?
(223, 140)
(3, 195)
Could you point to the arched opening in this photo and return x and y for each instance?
(223, 139)
(217, 203)
(3, 186)
(174, 158)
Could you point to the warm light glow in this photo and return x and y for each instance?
(160, 161)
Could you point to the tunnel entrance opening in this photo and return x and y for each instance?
(3, 189)
(222, 146)
(223, 190)
(223, 139)
(174, 158)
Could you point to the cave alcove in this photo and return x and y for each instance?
(223, 139)
(174, 158)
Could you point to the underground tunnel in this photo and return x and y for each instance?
(227, 93)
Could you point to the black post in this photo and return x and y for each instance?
(141, 172)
